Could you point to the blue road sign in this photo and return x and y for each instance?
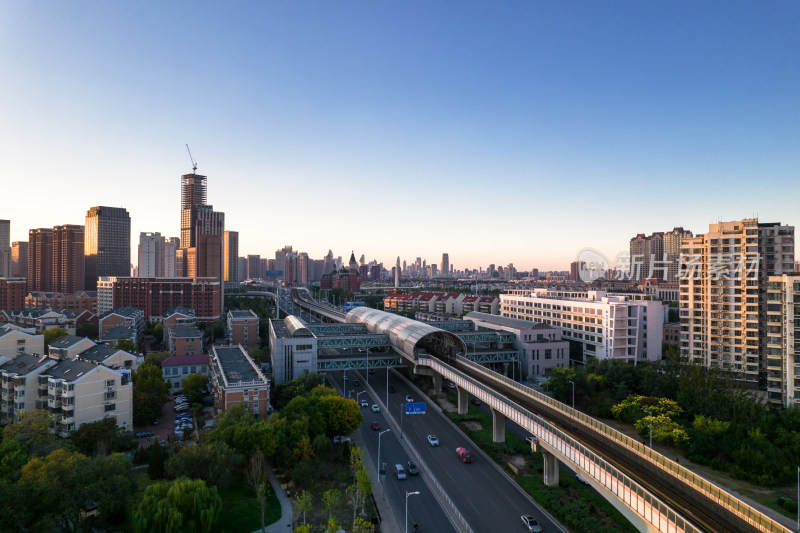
(415, 408)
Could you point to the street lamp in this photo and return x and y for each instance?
(416, 492)
(651, 425)
(359, 394)
(379, 447)
(573, 394)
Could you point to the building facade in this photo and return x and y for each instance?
(723, 293)
(243, 327)
(68, 260)
(107, 244)
(783, 340)
(231, 256)
(40, 259)
(12, 293)
(19, 259)
(237, 379)
(176, 368)
(596, 323)
(155, 296)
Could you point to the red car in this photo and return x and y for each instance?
(376, 426)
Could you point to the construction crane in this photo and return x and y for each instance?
(194, 163)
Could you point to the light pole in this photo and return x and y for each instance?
(359, 394)
(651, 425)
(573, 394)
(387, 385)
(344, 382)
(415, 493)
(379, 447)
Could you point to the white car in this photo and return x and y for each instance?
(432, 440)
(375, 408)
(409, 399)
(364, 403)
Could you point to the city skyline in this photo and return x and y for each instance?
(531, 130)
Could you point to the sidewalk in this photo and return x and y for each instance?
(283, 525)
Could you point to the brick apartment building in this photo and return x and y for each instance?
(155, 296)
(243, 327)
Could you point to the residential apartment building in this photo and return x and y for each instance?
(40, 259)
(68, 347)
(68, 261)
(242, 327)
(723, 294)
(598, 324)
(110, 357)
(155, 296)
(107, 244)
(783, 340)
(5, 248)
(176, 368)
(127, 318)
(78, 301)
(231, 256)
(12, 293)
(19, 385)
(237, 379)
(16, 340)
(19, 259)
(79, 392)
(185, 340)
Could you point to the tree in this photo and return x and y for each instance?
(52, 334)
(32, 431)
(158, 333)
(183, 505)
(194, 386)
(362, 526)
(343, 415)
(211, 462)
(156, 358)
(331, 498)
(149, 393)
(156, 468)
(126, 345)
(255, 475)
(102, 437)
(304, 500)
(87, 329)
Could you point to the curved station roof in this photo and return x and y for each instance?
(407, 336)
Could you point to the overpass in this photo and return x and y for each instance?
(652, 491)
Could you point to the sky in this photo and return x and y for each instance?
(500, 132)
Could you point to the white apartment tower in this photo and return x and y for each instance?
(783, 340)
(723, 294)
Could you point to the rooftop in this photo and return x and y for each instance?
(185, 311)
(70, 369)
(237, 313)
(99, 353)
(24, 364)
(116, 334)
(185, 332)
(182, 360)
(127, 312)
(235, 365)
(66, 341)
(506, 321)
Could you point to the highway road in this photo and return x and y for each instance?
(487, 499)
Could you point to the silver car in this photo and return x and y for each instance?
(531, 524)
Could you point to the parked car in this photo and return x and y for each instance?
(581, 480)
(376, 426)
(143, 434)
(340, 439)
(531, 524)
(433, 440)
(375, 408)
(412, 468)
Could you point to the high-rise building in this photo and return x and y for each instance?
(231, 256)
(5, 248)
(253, 266)
(107, 244)
(155, 296)
(19, 259)
(171, 247)
(242, 268)
(68, 261)
(40, 260)
(193, 197)
(647, 256)
(328, 264)
(445, 265)
(723, 294)
(672, 252)
(151, 255)
(576, 268)
(783, 340)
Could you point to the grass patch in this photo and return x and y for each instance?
(574, 505)
(241, 512)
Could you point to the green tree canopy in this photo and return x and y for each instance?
(32, 431)
(212, 462)
(126, 345)
(52, 334)
(180, 506)
(194, 386)
(102, 437)
(149, 393)
(87, 329)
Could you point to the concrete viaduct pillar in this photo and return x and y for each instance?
(498, 426)
(550, 469)
(437, 384)
(463, 396)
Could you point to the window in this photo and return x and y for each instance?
(194, 369)
(110, 407)
(110, 383)
(185, 369)
(20, 406)
(174, 370)
(128, 363)
(111, 395)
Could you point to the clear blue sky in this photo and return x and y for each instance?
(517, 131)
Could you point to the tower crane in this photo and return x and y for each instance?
(194, 163)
